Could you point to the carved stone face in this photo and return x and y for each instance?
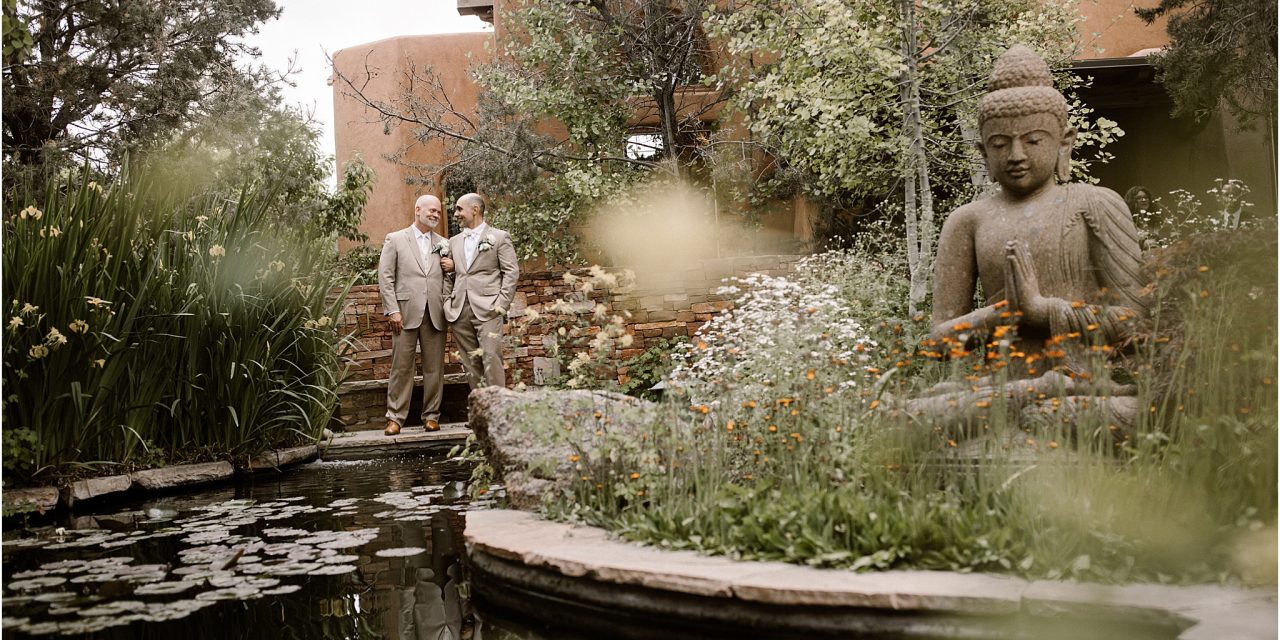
(1022, 151)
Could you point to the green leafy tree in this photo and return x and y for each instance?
(572, 82)
(1220, 51)
(17, 36)
(276, 150)
(102, 78)
(864, 99)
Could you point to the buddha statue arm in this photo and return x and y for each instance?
(955, 280)
(1115, 258)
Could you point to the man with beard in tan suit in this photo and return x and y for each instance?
(411, 277)
(480, 293)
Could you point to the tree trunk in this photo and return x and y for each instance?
(918, 198)
(667, 119)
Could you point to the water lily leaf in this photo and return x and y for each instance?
(165, 588)
(333, 569)
(36, 583)
(400, 552)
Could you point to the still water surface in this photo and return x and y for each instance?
(333, 549)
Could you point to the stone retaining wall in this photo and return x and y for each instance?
(661, 307)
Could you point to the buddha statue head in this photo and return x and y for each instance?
(1023, 124)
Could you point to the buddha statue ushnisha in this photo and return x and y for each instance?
(1054, 260)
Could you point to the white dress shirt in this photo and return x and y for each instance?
(424, 245)
(471, 241)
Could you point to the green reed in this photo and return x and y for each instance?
(145, 323)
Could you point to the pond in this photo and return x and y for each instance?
(333, 549)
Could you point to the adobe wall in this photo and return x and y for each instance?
(1110, 29)
(380, 70)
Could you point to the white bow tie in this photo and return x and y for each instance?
(468, 233)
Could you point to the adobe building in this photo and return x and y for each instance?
(1156, 151)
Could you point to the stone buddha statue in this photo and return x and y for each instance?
(1054, 260)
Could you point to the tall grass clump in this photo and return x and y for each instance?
(147, 322)
(783, 442)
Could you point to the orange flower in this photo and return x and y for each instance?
(574, 458)
(773, 428)
(635, 476)
(962, 326)
(982, 404)
(875, 403)
(730, 426)
(810, 375)
(1053, 444)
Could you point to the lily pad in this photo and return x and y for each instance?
(165, 588)
(37, 583)
(400, 552)
(333, 569)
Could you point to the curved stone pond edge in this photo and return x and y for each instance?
(46, 499)
(576, 575)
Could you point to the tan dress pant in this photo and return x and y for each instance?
(400, 384)
(471, 334)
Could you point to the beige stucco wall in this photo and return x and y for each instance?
(358, 130)
(1110, 29)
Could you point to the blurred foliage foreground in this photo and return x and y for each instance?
(150, 322)
(779, 440)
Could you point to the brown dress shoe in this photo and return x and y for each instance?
(431, 425)
(392, 428)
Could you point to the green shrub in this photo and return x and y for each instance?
(780, 453)
(146, 322)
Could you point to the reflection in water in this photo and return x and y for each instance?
(251, 542)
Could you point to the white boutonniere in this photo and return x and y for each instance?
(441, 248)
(486, 243)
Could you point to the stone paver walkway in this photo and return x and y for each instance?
(373, 442)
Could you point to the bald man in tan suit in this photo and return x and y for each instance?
(411, 277)
(479, 295)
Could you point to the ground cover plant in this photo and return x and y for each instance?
(783, 443)
(148, 322)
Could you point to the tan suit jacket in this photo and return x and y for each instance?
(410, 283)
(488, 283)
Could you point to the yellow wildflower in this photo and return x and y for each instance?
(55, 338)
